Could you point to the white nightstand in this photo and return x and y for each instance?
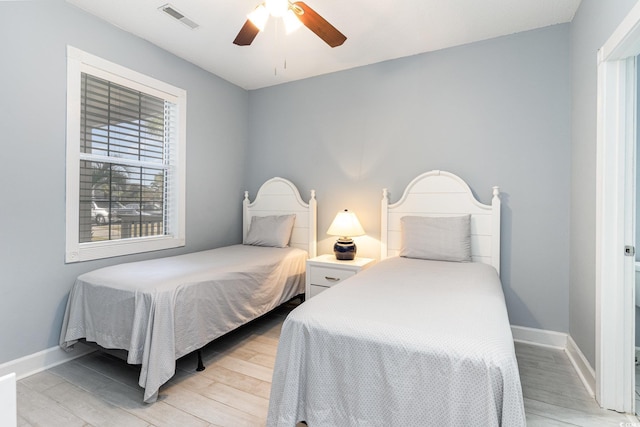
(325, 271)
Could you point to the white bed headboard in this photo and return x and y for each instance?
(278, 196)
(440, 193)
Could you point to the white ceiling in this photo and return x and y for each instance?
(376, 31)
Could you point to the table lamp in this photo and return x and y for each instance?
(345, 225)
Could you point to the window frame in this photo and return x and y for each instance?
(79, 62)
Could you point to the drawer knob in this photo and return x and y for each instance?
(332, 279)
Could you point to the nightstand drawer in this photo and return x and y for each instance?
(329, 276)
(315, 290)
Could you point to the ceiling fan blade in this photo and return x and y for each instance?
(318, 25)
(247, 33)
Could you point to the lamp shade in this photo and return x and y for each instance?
(345, 224)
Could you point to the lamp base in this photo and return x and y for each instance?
(345, 249)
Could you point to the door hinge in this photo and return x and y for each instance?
(629, 250)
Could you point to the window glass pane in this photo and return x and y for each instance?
(118, 121)
(120, 202)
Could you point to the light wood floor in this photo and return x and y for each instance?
(101, 390)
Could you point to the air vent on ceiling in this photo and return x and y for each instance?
(173, 12)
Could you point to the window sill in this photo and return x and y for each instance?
(113, 248)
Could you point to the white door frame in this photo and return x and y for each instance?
(615, 210)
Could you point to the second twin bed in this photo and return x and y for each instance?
(420, 338)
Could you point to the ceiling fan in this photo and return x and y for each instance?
(294, 14)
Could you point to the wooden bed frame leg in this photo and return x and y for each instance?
(200, 364)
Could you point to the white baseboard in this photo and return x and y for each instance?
(563, 342)
(45, 359)
(539, 337)
(580, 363)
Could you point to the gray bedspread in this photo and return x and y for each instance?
(161, 309)
(406, 342)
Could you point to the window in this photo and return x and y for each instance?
(125, 160)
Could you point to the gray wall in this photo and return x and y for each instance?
(34, 281)
(592, 25)
(495, 112)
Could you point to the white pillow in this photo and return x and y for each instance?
(272, 230)
(443, 238)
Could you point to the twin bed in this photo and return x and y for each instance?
(162, 309)
(420, 338)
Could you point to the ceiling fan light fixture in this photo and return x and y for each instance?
(293, 14)
(259, 16)
(277, 8)
(291, 21)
